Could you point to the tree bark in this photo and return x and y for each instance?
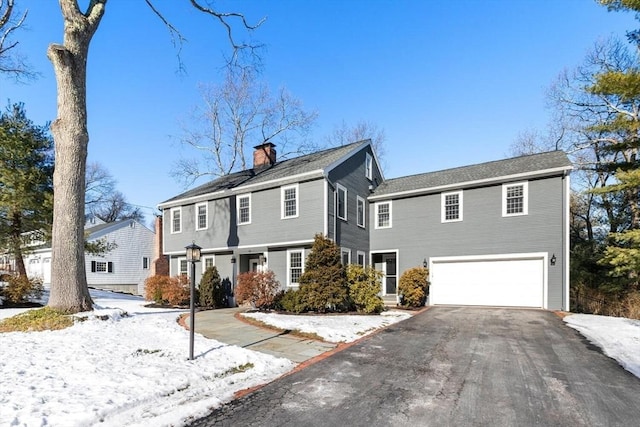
(69, 291)
(16, 242)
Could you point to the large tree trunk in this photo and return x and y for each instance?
(69, 291)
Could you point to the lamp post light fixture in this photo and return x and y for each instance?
(193, 256)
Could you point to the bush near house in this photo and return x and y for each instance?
(20, 289)
(414, 287)
(290, 300)
(257, 288)
(212, 292)
(167, 290)
(323, 284)
(364, 288)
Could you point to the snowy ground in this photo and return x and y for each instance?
(331, 328)
(619, 338)
(133, 369)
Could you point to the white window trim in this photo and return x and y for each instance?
(377, 224)
(368, 167)
(443, 211)
(106, 267)
(525, 198)
(173, 210)
(289, 252)
(346, 198)
(364, 258)
(188, 273)
(206, 216)
(348, 252)
(242, 196)
(282, 209)
(204, 261)
(364, 212)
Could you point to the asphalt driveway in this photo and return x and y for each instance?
(452, 366)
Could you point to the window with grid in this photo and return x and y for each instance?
(514, 199)
(244, 209)
(342, 202)
(360, 211)
(295, 267)
(208, 263)
(290, 202)
(201, 214)
(383, 215)
(183, 267)
(452, 206)
(101, 267)
(176, 220)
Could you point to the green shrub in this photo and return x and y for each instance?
(257, 288)
(167, 290)
(414, 287)
(291, 300)
(212, 292)
(364, 288)
(43, 319)
(20, 289)
(324, 281)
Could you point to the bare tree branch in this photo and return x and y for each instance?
(12, 63)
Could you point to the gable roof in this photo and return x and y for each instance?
(107, 227)
(523, 167)
(310, 165)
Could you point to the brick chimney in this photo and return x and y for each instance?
(264, 155)
(160, 264)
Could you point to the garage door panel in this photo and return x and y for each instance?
(501, 282)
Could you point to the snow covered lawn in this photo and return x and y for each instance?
(619, 338)
(132, 369)
(331, 328)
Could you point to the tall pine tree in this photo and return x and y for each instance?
(26, 180)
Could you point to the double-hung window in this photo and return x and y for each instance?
(342, 202)
(451, 206)
(295, 266)
(201, 216)
(361, 258)
(176, 220)
(289, 196)
(361, 205)
(244, 209)
(383, 215)
(345, 256)
(515, 199)
(184, 267)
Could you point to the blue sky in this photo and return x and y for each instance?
(451, 82)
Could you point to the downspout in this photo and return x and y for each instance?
(335, 207)
(566, 258)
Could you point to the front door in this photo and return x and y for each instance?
(387, 264)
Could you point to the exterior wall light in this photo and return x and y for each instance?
(553, 259)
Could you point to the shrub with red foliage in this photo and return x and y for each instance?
(257, 288)
(167, 290)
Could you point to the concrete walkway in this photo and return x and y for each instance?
(222, 325)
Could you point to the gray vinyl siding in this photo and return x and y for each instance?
(418, 233)
(134, 241)
(351, 175)
(266, 227)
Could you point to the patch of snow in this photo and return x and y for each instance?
(331, 328)
(619, 338)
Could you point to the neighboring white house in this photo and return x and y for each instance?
(124, 268)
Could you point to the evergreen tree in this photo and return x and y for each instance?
(26, 187)
(324, 281)
(211, 289)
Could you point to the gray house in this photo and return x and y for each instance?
(266, 217)
(491, 234)
(124, 268)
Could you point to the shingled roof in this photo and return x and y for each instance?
(314, 162)
(514, 168)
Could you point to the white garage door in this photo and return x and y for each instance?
(509, 281)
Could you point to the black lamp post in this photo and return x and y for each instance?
(193, 256)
